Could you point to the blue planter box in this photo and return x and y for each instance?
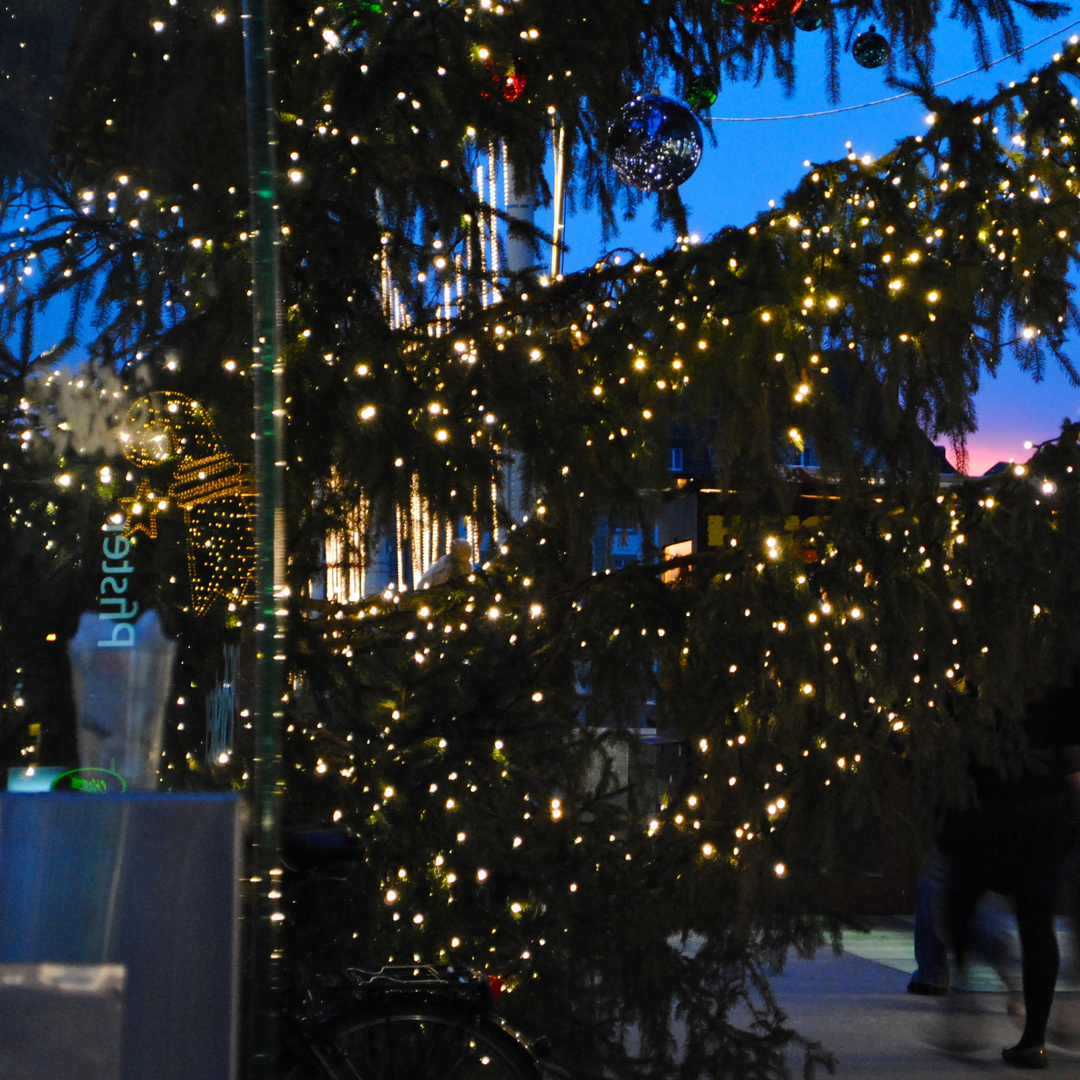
(145, 881)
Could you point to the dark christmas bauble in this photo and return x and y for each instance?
(655, 143)
(871, 49)
(809, 17)
(701, 92)
(768, 12)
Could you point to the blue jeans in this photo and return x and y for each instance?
(986, 936)
(931, 940)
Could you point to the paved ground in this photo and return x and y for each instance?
(859, 1009)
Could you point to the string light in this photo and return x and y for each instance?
(825, 605)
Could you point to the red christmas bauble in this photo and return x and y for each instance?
(768, 12)
(507, 78)
(513, 85)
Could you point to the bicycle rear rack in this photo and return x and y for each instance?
(481, 990)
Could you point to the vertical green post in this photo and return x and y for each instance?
(268, 372)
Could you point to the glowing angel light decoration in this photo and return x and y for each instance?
(214, 490)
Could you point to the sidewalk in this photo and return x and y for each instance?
(860, 1010)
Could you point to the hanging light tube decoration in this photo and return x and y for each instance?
(421, 536)
(221, 710)
(558, 152)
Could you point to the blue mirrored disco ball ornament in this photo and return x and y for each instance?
(655, 143)
(871, 49)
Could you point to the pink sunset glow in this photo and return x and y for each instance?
(1013, 410)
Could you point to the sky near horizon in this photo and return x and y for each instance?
(763, 137)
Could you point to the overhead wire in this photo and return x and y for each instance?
(894, 97)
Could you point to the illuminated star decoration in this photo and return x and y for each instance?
(212, 488)
(141, 510)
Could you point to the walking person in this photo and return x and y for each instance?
(1014, 840)
(987, 935)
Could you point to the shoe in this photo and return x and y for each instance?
(960, 1026)
(1025, 1057)
(926, 989)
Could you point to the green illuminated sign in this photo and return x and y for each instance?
(90, 781)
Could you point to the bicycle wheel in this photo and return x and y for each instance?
(426, 1040)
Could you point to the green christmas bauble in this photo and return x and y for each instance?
(871, 49)
(701, 92)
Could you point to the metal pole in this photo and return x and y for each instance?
(268, 371)
(520, 207)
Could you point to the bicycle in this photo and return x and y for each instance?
(402, 1022)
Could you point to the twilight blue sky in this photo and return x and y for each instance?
(761, 155)
(757, 160)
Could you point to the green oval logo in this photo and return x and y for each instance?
(90, 782)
